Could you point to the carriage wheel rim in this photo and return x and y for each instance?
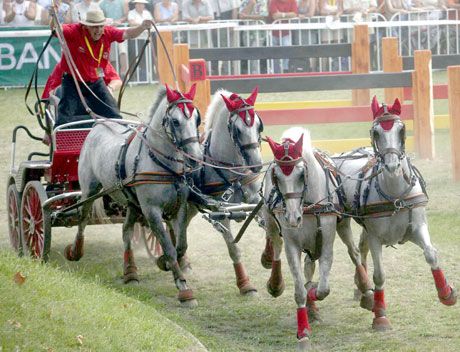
(13, 219)
(32, 223)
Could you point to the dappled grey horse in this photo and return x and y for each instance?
(388, 200)
(300, 206)
(231, 143)
(145, 171)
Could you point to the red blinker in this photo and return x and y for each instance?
(288, 150)
(235, 102)
(378, 110)
(175, 95)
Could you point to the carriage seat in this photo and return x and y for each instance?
(66, 153)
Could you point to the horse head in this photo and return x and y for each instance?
(181, 122)
(289, 178)
(245, 127)
(388, 135)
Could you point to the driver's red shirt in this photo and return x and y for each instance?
(87, 62)
(55, 79)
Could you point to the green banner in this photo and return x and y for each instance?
(19, 51)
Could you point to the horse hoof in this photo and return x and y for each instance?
(131, 278)
(275, 291)
(248, 291)
(451, 299)
(69, 255)
(186, 299)
(303, 344)
(192, 303)
(367, 300)
(381, 324)
(266, 260)
(162, 263)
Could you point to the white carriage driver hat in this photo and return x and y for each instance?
(94, 18)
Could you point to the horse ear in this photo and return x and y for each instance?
(191, 92)
(375, 106)
(396, 108)
(298, 146)
(252, 98)
(230, 104)
(273, 145)
(170, 94)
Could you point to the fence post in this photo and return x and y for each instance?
(360, 62)
(165, 75)
(181, 56)
(422, 90)
(453, 73)
(392, 62)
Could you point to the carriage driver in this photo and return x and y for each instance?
(89, 45)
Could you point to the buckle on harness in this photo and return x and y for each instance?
(228, 194)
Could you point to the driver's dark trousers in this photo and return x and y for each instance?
(71, 108)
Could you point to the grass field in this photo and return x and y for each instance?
(62, 300)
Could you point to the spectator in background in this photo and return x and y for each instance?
(307, 8)
(324, 9)
(20, 13)
(256, 10)
(135, 17)
(225, 9)
(394, 6)
(116, 13)
(82, 8)
(166, 11)
(359, 8)
(197, 11)
(281, 10)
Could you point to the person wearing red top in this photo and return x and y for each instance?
(89, 45)
(282, 10)
(111, 79)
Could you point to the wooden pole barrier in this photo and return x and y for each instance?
(165, 75)
(181, 56)
(453, 73)
(360, 62)
(422, 90)
(392, 62)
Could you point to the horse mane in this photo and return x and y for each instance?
(217, 104)
(294, 134)
(160, 96)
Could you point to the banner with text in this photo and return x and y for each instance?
(19, 54)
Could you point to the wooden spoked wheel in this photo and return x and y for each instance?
(14, 228)
(35, 222)
(152, 245)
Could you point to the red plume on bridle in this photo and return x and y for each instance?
(379, 111)
(175, 95)
(287, 153)
(236, 103)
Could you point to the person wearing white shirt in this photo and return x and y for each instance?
(20, 13)
(139, 13)
(80, 10)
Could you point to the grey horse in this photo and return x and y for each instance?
(299, 205)
(151, 163)
(231, 143)
(388, 200)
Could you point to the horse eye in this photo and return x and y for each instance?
(175, 122)
(375, 135)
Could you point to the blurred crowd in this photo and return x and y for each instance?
(20, 13)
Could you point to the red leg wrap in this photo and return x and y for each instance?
(379, 303)
(440, 281)
(311, 295)
(303, 328)
(242, 278)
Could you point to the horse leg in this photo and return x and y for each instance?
(242, 278)
(267, 255)
(362, 281)
(293, 255)
(154, 218)
(447, 294)
(129, 265)
(178, 231)
(74, 252)
(380, 322)
(275, 284)
(312, 308)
